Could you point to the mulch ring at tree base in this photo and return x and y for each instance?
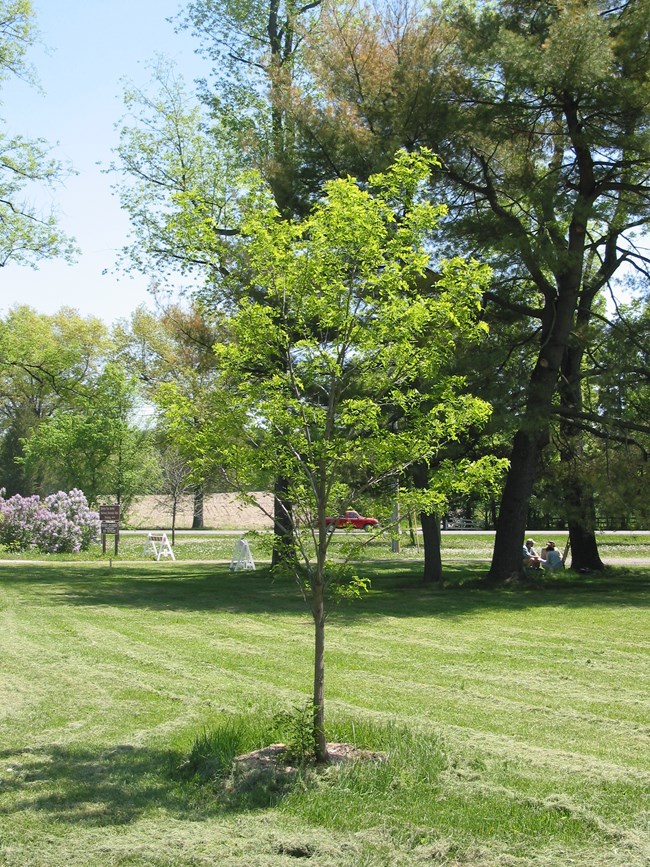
(270, 768)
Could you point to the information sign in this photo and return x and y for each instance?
(110, 518)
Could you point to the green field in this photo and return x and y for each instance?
(514, 724)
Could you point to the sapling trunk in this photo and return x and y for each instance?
(318, 611)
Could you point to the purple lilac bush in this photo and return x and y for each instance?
(61, 523)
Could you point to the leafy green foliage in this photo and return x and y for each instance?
(326, 354)
(95, 443)
(539, 112)
(178, 180)
(342, 334)
(45, 363)
(27, 234)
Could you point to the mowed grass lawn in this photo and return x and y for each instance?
(515, 723)
(456, 547)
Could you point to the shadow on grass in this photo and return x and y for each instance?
(80, 786)
(397, 589)
(120, 784)
(415, 793)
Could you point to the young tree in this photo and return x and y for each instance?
(175, 484)
(354, 335)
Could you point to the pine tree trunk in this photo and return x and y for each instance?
(533, 435)
(584, 550)
(530, 441)
(513, 514)
(577, 492)
(582, 516)
(432, 573)
(431, 540)
(284, 547)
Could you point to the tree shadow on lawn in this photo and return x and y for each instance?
(167, 587)
(465, 591)
(397, 590)
(103, 787)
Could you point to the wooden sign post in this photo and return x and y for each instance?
(110, 518)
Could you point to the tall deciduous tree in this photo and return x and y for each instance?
(354, 334)
(540, 112)
(45, 363)
(27, 235)
(174, 345)
(254, 49)
(182, 194)
(178, 182)
(96, 444)
(256, 52)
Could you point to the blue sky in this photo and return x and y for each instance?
(91, 46)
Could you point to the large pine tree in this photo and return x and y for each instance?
(539, 111)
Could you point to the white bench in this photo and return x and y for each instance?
(158, 545)
(242, 558)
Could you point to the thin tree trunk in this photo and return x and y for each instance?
(317, 589)
(320, 741)
(395, 542)
(413, 530)
(197, 514)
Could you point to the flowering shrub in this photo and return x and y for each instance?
(18, 519)
(62, 522)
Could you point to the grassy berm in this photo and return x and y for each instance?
(507, 727)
